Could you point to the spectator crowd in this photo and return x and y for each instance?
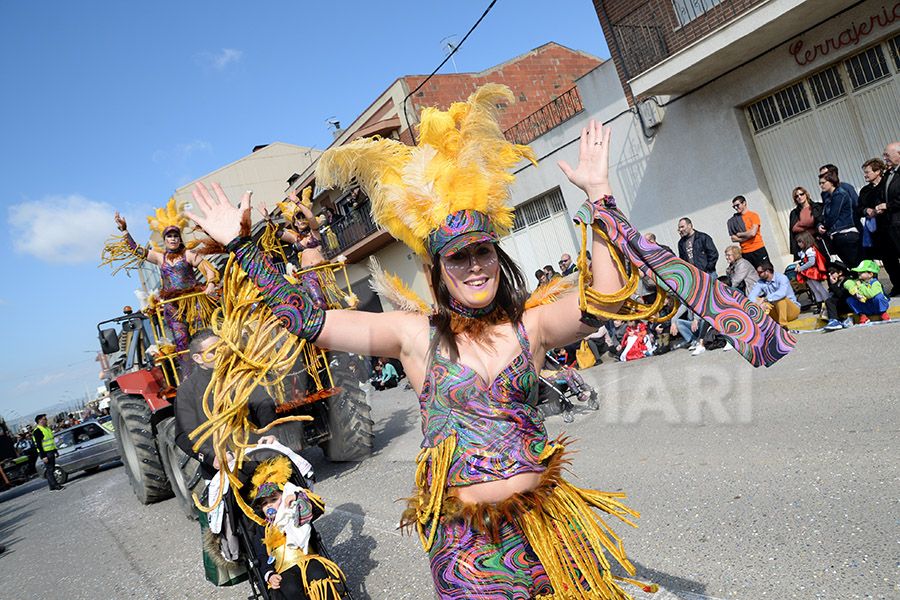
(835, 239)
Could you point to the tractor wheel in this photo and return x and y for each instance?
(348, 421)
(137, 448)
(182, 470)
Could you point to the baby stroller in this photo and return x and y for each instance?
(804, 295)
(558, 384)
(248, 534)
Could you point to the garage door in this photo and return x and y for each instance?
(845, 114)
(542, 232)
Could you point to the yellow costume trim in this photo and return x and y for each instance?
(592, 301)
(115, 249)
(269, 242)
(462, 162)
(254, 349)
(552, 291)
(397, 293)
(557, 518)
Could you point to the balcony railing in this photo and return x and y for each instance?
(563, 108)
(658, 29)
(348, 230)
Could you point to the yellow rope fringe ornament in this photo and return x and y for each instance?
(592, 301)
(115, 249)
(254, 348)
(270, 244)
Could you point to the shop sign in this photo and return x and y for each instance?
(851, 36)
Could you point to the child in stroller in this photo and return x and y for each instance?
(557, 384)
(284, 554)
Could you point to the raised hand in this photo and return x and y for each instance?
(592, 172)
(222, 221)
(120, 223)
(261, 207)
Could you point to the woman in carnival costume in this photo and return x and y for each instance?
(492, 509)
(176, 267)
(306, 240)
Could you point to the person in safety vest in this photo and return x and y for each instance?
(46, 446)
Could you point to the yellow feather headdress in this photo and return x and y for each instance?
(170, 216)
(269, 476)
(459, 169)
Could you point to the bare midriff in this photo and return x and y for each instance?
(497, 491)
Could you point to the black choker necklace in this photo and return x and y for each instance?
(469, 312)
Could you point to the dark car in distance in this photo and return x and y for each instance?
(84, 447)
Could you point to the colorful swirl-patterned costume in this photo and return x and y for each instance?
(751, 332)
(288, 302)
(499, 433)
(543, 543)
(184, 316)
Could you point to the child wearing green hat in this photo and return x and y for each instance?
(866, 294)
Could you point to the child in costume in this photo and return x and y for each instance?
(290, 567)
(176, 267)
(492, 509)
(866, 294)
(813, 268)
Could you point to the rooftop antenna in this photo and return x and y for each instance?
(449, 45)
(333, 123)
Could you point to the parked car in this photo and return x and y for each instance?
(84, 447)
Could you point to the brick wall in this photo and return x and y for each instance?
(535, 78)
(656, 23)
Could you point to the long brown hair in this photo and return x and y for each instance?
(509, 301)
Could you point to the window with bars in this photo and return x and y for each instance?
(867, 66)
(539, 209)
(894, 45)
(688, 10)
(792, 100)
(764, 113)
(827, 85)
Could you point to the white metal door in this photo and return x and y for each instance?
(541, 234)
(844, 114)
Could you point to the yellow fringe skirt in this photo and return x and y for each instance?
(545, 543)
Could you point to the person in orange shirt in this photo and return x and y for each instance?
(752, 246)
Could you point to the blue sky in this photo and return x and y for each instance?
(110, 106)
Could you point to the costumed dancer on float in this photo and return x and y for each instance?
(176, 267)
(492, 509)
(306, 240)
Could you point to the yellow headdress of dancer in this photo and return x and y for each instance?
(445, 193)
(289, 209)
(269, 477)
(168, 218)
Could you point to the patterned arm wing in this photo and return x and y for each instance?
(757, 337)
(288, 301)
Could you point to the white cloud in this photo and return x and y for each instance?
(60, 229)
(31, 385)
(221, 59)
(186, 150)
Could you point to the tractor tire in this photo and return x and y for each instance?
(183, 471)
(134, 437)
(349, 421)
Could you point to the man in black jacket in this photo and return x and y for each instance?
(870, 196)
(189, 403)
(892, 189)
(696, 247)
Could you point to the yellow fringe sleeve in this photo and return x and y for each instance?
(253, 348)
(116, 249)
(591, 301)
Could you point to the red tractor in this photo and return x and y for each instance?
(142, 386)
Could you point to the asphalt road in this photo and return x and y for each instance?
(753, 483)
